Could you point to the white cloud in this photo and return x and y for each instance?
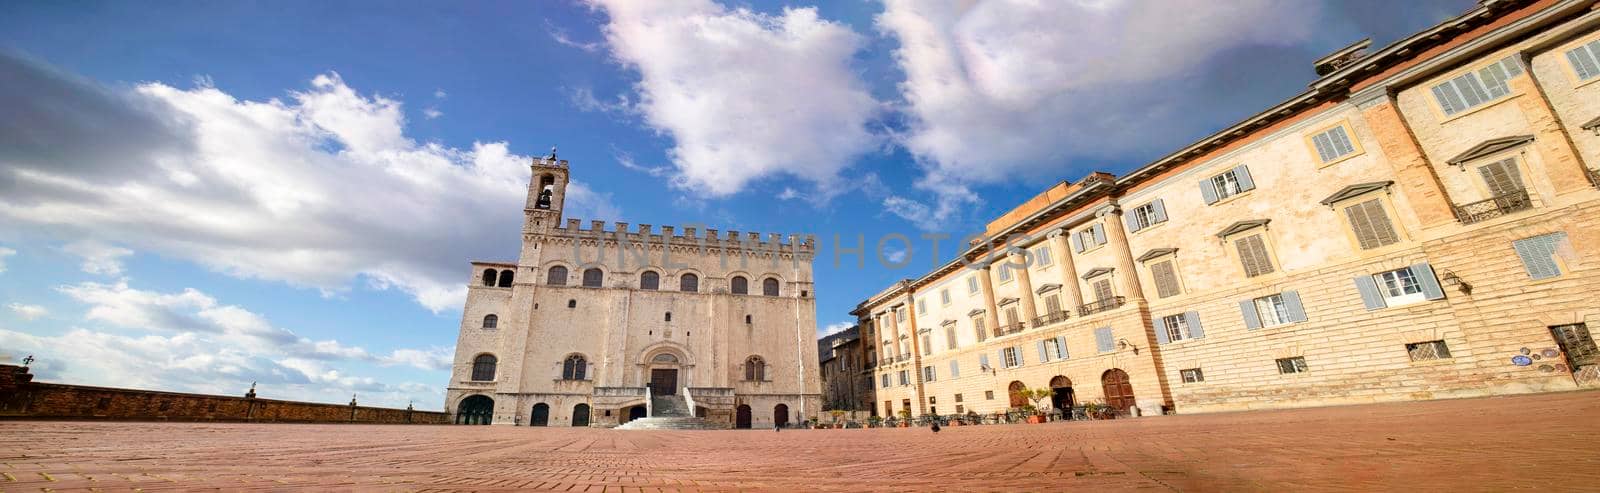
(1001, 89)
(834, 328)
(5, 252)
(560, 36)
(99, 258)
(744, 95)
(431, 113)
(28, 312)
(439, 94)
(317, 190)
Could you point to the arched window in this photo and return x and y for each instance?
(574, 367)
(558, 276)
(483, 368)
(740, 285)
(491, 321)
(769, 287)
(489, 277)
(689, 283)
(592, 278)
(572, 303)
(650, 280)
(755, 369)
(506, 276)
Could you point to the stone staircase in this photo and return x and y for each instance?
(671, 413)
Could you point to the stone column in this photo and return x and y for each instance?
(1020, 268)
(991, 315)
(894, 323)
(1117, 237)
(1069, 270)
(1561, 161)
(1414, 176)
(916, 355)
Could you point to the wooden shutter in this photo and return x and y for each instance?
(1502, 177)
(1208, 191)
(1371, 225)
(1253, 255)
(955, 369)
(1242, 173)
(1252, 319)
(1193, 319)
(1538, 255)
(1324, 144)
(1166, 279)
(1430, 283)
(1160, 325)
(1291, 303)
(1370, 295)
(1102, 339)
(1585, 60)
(1447, 98)
(1061, 347)
(1102, 290)
(1341, 142)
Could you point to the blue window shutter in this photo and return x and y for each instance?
(983, 360)
(1018, 351)
(1243, 174)
(1100, 234)
(1208, 191)
(1003, 357)
(955, 369)
(1161, 331)
(1043, 354)
(1430, 283)
(1061, 347)
(1291, 302)
(1252, 320)
(1133, 224)
(1195, 331)
(1077, 243)
(1160, 210)
(1369, 293)
(1102, 338)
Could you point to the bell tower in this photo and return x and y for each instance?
(547, 191)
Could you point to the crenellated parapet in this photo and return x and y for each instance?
(689, 236)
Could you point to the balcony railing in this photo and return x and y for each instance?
(1494, 207)
(1005, 330)
(1049, 318)
(1594, 176)
(1099, 306)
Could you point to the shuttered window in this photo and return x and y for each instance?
(1502, 177)
(1371, 224)
(1538, 254)
(950, 336)
(1102, 289)
(927, 374)
(955, 372)
(1103, 340)
(1052, 304)
(927, 344)
(1233, 182)
(1333, 144)
(1475, 88)
(1174, 327)
(885, 380)
(972, 284)
(944, 296)
(1147, 215)
(1166, 279)
(1399, 287)
(1005, 272)
(1586, 60)
(1178, 327)
(1041, 256)
(1012, 357)
(1089, 238)
(1277, 309)
(1253, 255)
(977, 324)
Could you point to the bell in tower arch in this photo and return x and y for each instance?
(544, 199)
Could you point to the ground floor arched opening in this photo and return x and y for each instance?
(1015, 392)
(634, 412)
(742, 417)
(780, 414)
(1119, 392)
(540, 416)
(580, 415)
(1063, 398)
(475, 410)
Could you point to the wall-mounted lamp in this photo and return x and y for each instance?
(1124, 344)
(1450, 279)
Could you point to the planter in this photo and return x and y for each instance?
(954, 423)
(905, 425)
(1035, 419)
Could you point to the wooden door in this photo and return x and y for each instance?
(1119, 393)
(541, 415)
(742, 418)
(664, 382)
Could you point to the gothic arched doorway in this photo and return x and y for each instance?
(475, 410)
(580, 415)
(1062, 398)
(742, 418)
(780, 414)
(1015, 391)
(1119, 393)
(663, 375)
(541, 415)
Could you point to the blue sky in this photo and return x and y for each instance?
(198, 195)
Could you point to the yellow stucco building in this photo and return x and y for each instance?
(1423, 222)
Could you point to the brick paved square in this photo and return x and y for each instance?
(1535, 441)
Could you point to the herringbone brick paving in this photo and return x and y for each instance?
(1546, 442)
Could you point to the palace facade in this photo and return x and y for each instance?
(1423, 222)
(596, 327)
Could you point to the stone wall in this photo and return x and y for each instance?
(21, 398)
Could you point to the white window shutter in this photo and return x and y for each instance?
(1077, 243)
(1102, 339)
(955, 369)
(1193, 319)
(1132, 221)
(1044, 354)
(1160, 210)
(1291, 302)
(1100, 234)
(1252, 319)
(1061, 347)
(1208, 191)
(1246, 184)
(1161, 331)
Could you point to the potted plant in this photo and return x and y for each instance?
(905, 418)
(1035, 416)
(973, 418)
(953, 420)
(874, 421)
(837, 413)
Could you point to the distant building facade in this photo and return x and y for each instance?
(846, 378)
(589, 324)
(1423, 222)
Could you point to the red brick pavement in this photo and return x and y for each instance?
(1539, 441)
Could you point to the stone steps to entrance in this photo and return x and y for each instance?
(670, 423)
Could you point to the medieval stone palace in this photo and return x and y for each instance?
(597, 327)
